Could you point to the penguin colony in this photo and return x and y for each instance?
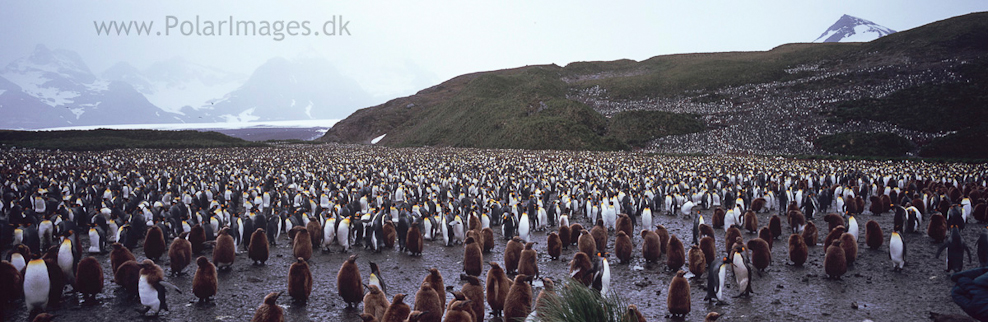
(152, 213)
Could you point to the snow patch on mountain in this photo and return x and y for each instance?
(853, 29)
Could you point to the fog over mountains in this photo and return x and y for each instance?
(55, 88)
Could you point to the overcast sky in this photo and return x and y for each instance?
(398, 47)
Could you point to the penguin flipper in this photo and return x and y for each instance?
(168, 284)
(940, 250)
(163, 306)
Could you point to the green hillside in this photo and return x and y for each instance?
(931, 79)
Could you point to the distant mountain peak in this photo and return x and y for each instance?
(853, 29)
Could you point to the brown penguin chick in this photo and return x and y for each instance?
(564, 236)
(476, 238)
(179, 254)
(225, 251)
(257, 250)
(474, 222)
(711, 317)
(512, 254)
(850, 246)
(599, 234)
(459, 311)
(118, 255)
(761, 253)
(677, 253)
(633, 314)
(269, 311)
(980, 211)
(128, 275)
(796, 220)
(698, 262)
(624, 224)
(546, 295)
(429, 303)
(575, 230)
(775, 226)
(474, 291)
(937, 228)
(528, 264)
(732, 233)
(519, 302)
(873, 234)
(43, 317)
(457, 296)
(11, 281)
(488, 236)
(833, 220)
(810, 234)
(473, 257)
(835, 262)
(197, 237)
(302, 245)
(580, 268)
(435, 279)
(706, 230)
(554, 246)
(294, 231)
(663, 238)
(709, 248)
(416, 316)
(678, 299)
(299, 281)
(623, 247)
(413, 240)
(398, 311)
(766, 235)
(586, 243)
(757, 205)
(859, 201)
(204, 282)
(315, 232)
(348, 281)
(367, 317)
(497, 288)
(390, 234)
(650, 246)
(751, 222)
(718, 217)
(798, 252)
(833, 235)
(154, 243)
(89, 278)
(375, 303)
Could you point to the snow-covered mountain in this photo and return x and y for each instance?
(177, 85)
(55, 88)
(853, 29)
(297, 89)
(59, 79)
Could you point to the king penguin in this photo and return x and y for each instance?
(36, 285)
(151, 288)
(897, 251)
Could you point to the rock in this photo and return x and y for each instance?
(854, 305)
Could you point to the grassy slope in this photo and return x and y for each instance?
(103, 139)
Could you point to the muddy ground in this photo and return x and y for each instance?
(869, 291)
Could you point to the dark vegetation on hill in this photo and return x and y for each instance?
(794, 99)
(104, 139)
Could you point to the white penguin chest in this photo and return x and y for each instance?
(149, 295)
